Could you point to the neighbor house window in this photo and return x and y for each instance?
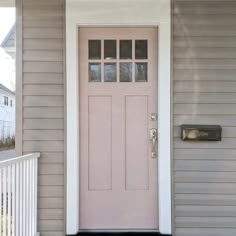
(11, 103)
(5, 100)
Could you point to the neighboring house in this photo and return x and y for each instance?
(8, 44)
(96, 81)
(7, 114)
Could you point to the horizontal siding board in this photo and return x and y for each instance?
(204, 42)
(212, 63)
(204, 31)
(224, 144)
(43, 101)
(211, 109)
(43, 67)
(43, 78)
(43, 44)
(206, 222)
(43, 124)
(43, 56)
(43, 22)
(205, 188)
(207, 211)
(205, 199)
(51, 203)
(51, 225)
(42, 33)
(43, 146)
(212, 98)
(210, 20)
(205, 86)
(51, 158)
(191, 175)
(199, 75)
(47, 90)
(224, 120)
(204, 231)
(205, 53)
(43, 112)
(52, 233)
(209, 165)
(44, 11)
(51, 169)
(51, 180)
(51, 214)
(205, 154)
(51, 191)
(43, 135)
(34, 3)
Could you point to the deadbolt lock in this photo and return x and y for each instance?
(153, 116)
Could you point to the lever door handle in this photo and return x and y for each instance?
(153, 138)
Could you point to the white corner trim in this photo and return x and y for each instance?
(157, 13)
(164, 128)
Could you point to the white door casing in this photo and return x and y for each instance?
(134, 13)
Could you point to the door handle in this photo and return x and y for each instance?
(153, 138)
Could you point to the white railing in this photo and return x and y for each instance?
(18, 198)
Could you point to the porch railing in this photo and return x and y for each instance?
(18, 198)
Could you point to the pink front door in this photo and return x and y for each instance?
(118, 108)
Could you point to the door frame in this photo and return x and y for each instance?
(76, 19)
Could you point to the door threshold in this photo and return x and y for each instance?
(119, 233)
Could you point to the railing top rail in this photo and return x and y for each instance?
(19, 159)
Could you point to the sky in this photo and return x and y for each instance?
(7, 19)
(7, 64)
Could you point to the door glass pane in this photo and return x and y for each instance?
(141, 72)
(125, 49)
(141, 49)
(125, 72)
(110, 72)
(94, 49)
(109, 49)
(94, 72)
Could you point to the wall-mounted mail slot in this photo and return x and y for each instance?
(201, 132)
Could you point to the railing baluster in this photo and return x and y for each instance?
(1, 205)
(30, 197)
(27, 198)
(9, 179)
(18, 196)
(21, 199)
(4, 201)
(13, 198)
(24, 196)
(17, 219)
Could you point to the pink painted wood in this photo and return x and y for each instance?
(118, 177)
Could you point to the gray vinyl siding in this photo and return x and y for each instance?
(43, 106)
(204, 74)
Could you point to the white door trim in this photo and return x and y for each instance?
(77, 15)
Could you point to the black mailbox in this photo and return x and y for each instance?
(201, 132)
